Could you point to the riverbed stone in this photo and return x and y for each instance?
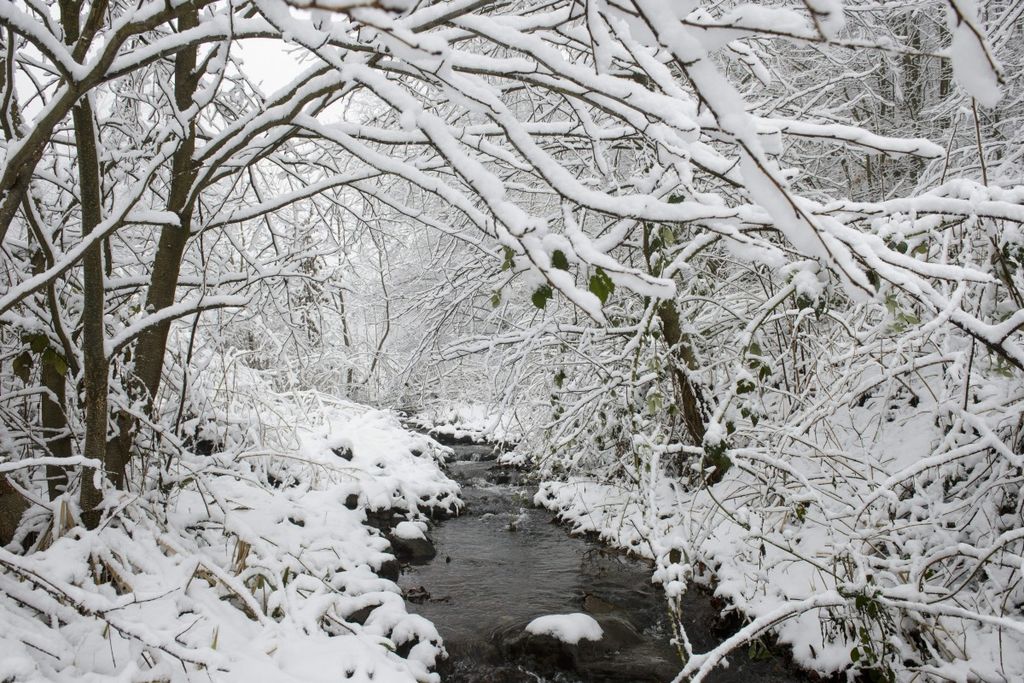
(361, 615)
(412, 549)
(604, 655)
(619, 633)
(497, 475)
(447, 438)
(441, 512)
(595, 604)
(390, 569)
(383, 520)
(545, 650)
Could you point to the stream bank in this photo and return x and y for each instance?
(504, 562)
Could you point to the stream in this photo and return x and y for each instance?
(504, 562)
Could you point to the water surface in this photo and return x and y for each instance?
(505, 562)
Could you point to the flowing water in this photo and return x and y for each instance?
(504, 562)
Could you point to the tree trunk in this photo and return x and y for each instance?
(689, 399)
(96, 366)
(682, 361)
(53, 403)
(55, 425)
(151, 346)
(12, 507)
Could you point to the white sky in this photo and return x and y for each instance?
(267, 62)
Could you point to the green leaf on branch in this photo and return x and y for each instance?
(873, 278)
(601, 285)
(38, 343)
(803, 301)
(509, 256)
(541, 295)
(558, 260)
(56, 361)
(750, 415)
(23, 366)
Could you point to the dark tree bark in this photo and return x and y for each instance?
(689, 399)
(55, 427)
(53, 403)
(12, 507)
(94, 357)
(151, 346)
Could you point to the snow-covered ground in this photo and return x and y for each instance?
(250, 564)
(469, 422)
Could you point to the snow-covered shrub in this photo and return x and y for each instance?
(249, 562)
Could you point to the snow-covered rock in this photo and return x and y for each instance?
(569, 628)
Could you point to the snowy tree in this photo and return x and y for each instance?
(757, 263)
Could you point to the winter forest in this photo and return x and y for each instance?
(732, 292)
